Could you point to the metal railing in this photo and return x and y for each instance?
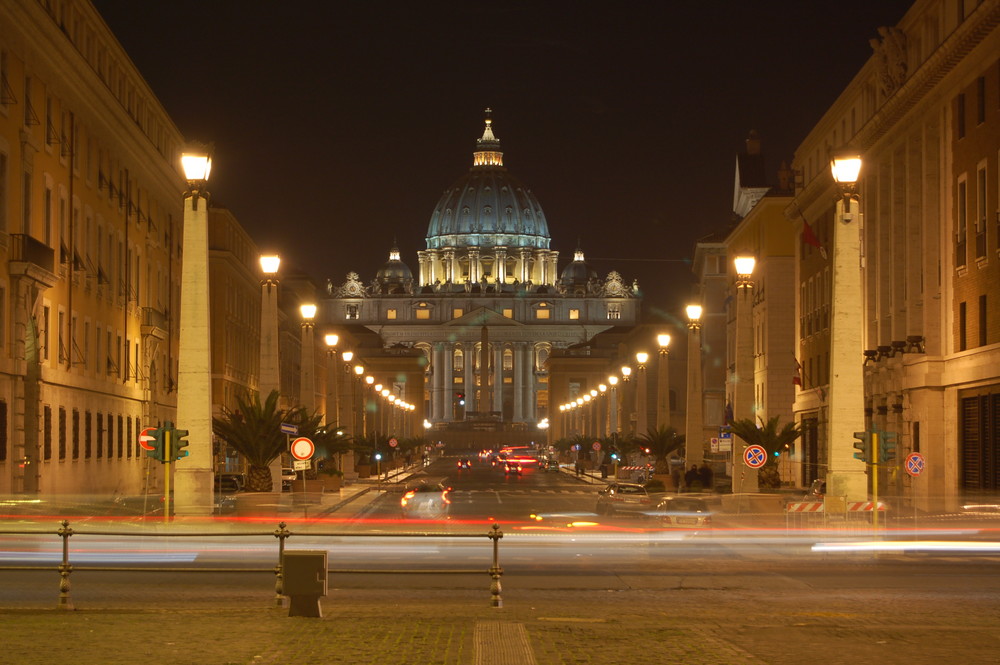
(282, 533)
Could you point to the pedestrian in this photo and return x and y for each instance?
(707, 477)
(692, 479)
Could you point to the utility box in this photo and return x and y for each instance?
(304, 581)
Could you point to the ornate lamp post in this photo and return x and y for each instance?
(614, 414)
(641, 392)
(332, 380)
(359, 421)
(270, 378)
(744, 478)
(663, 382)
(307, 366)
(194, 489)
(845, 475)
(627, 402)
(693, 426)
(602, 410)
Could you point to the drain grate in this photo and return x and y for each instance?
(502, 643)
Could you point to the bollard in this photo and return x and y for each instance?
(65, 603)
(281, 533)
(495, 570)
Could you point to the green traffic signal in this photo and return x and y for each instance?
(177, 444)
(157, 441)
(886, 446)
(862, 445)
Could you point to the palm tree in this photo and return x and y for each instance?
(772, 440)
(254, 430)
(661, 442)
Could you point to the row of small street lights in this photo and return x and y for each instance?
(194, 485)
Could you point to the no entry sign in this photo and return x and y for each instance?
(303, 448)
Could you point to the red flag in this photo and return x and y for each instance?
(809, 237)
(797, 379)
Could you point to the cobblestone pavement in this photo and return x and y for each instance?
(733, 619)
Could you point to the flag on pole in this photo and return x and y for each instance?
(810, 238)
(797, 379)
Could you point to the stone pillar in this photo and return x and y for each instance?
(744, 477)
(518, 414)
(846, 475)
(500, 265)
(194, 488)
(528, 383)
(469, 375)
(498, 378)
(438, 374)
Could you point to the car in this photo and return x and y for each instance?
(229, 483)
(465, 463)
(426, 499)
(816, 491)
(550, 465)
(512, 468)
(287, 476)
(625, 498)
(683, 511)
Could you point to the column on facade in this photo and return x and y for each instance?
(518, 412)
(528, 384)
(500, 265)
(523, 265)
(438, 374)
(498, 378)
(469, 375)
(475, 265)
(453, 269)
(422, 266)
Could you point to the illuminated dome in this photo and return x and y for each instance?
(577, 275)
(488, 207)
(394, 276)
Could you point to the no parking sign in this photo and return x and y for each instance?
(755, 456)
(915, 464)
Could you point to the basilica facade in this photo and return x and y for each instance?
(486, 307)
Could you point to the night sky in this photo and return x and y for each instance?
(337, 125)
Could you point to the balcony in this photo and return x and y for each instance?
(154, 323)
(33, 259)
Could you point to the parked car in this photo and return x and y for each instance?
(626, 498)
(427, 500)
(229, 483)
(683, 511)
(550, 465)
(287, 476)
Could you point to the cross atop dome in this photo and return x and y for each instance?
(488, 148)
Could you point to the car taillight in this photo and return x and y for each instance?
(444, 497)
(406, 498)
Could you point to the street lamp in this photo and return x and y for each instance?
(194, 490)
(613, 407)
(270, 378)
(641, 392)
(358, 423)
(694, 452)
(845, 475)
(663, 382)
(369, 380)
(332, 379)
(307, 365)
(743, 375)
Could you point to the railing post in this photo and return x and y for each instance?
(495, 570)
(281, 533)
(65, 603)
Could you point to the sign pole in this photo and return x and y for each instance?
(874, 458)
(166, 475)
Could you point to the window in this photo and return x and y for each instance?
(390, 314)
(100, 435)
(982, 320)
(614, 311)
(76, 434)
(423, 314)
(980, 100)
(960, 116)
(47, 432)
(981, 211)
(508, 360)
(457, 313)
(541, 313)
(574, 314)
(458, 361)
(88, 444)
(62, 433)
(508, 312)
(961, 219)
(352, 313)
(961, 327)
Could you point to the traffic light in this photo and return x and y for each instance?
(156, 441)
(886, 446)
(863, 445)
(177, 444)
(461, 398)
